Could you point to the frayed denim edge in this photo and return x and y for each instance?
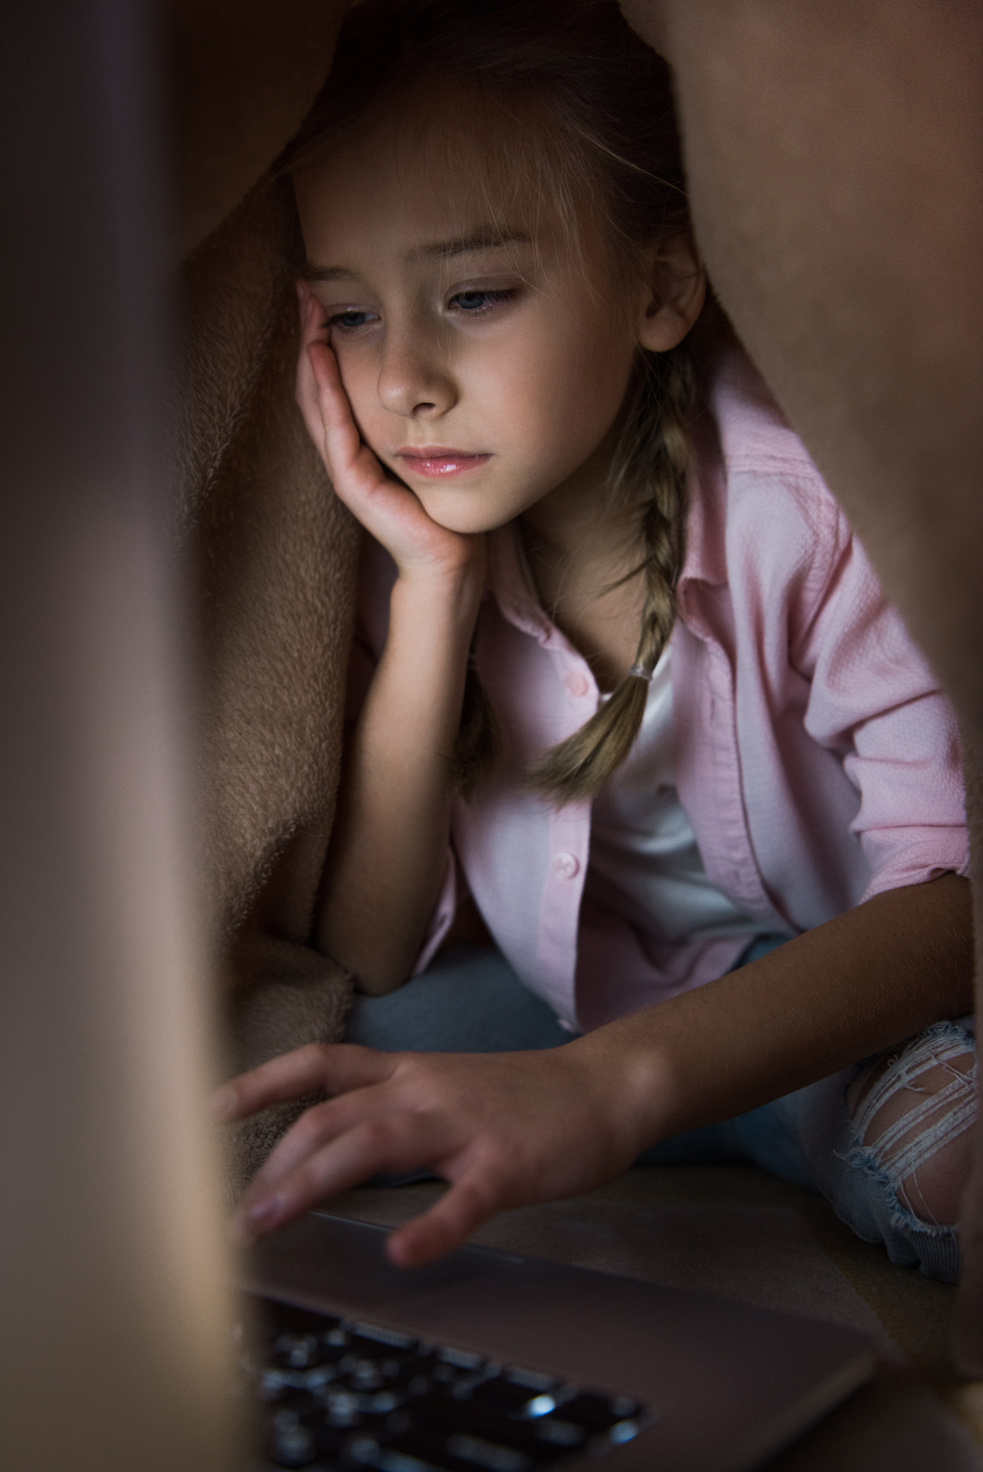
(934, 1249)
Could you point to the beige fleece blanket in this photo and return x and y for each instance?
(272, 557)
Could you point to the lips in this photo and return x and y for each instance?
(439, 461)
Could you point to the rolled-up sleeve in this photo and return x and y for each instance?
(875, 701)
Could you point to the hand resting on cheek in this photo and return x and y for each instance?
(389, 511)
(504, 1129)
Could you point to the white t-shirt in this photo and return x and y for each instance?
(644, 861)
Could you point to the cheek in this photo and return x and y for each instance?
(360, 379)
(558, 393)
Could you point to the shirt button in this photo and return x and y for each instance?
(577, 684)
(566, 866)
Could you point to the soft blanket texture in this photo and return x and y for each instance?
(272, 553)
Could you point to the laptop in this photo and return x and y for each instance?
(488, 1362)
(113, 1267)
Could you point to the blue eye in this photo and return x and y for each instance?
(476, 303)
(351, 319)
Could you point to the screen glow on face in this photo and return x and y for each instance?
(484, 356)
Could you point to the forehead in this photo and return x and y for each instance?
(416, 177)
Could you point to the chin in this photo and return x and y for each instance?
(469, 526)
(465, 519)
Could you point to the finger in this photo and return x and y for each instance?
(305, 393)
(399, 1144)
(313, 328)
(317, 1127)
(305, 388)
(313, 315)
(315, 323)
(469, 1202)
(333, 1068)
(355, 471)
(341, 437)
(328, 416)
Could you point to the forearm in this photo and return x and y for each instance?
(847, 989)
(388, 850)
(507, 1129)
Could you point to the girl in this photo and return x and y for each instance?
(624, 683)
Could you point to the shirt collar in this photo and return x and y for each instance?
(705, 558)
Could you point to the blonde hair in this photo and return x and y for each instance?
(585, 114)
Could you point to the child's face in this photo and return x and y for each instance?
(482, 367)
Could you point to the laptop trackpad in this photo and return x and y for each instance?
(334, 1264)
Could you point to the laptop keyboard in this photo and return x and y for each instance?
(338, 1395)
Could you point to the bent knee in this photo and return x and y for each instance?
(914, 1111)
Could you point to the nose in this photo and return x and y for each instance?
(415, 380)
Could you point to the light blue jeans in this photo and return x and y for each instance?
(471, 1001)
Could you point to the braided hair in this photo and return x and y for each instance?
(655, 455)
(563, 94)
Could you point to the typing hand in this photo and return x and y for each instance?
(505, 1129)
(385, 507)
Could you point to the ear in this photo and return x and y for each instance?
(676, 291)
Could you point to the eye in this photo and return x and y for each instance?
(476, 303)
(350, 319)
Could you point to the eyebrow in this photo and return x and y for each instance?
(486, 239)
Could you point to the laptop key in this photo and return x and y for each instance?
(291, 1443)
(514, 1400)
(307, 1351)
(529, 1379)
(341, 1396)
(425, 1448)
(478, 1452)
(599, 1412)
(296, 1351)
(280, 1385)
(539, 1440)
(392, 1339)
(462, 1359)
(385, 1459)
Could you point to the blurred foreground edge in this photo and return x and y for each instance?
(112, 1268)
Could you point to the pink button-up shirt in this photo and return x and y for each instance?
(814, 754)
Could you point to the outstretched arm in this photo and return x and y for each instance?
(514, 1128)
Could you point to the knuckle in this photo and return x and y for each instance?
(375, 1135)
(313, 1123)
(499, 1165)
(479, 1194)
(308, 1180)
(423, 1081)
